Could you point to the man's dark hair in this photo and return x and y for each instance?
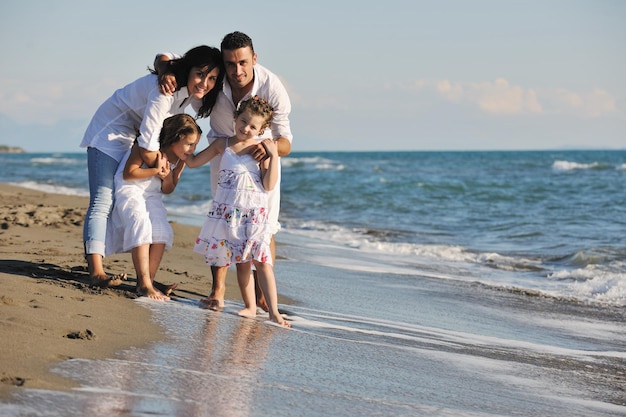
(236, 40)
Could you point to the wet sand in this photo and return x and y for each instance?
(48, 312)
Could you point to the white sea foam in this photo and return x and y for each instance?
(190, 210)
(55, 189)
(428, 252)
(593, 283)
(392, 334)
(56, 160)
(587, 327)
(313, 162)
(343, 248)
(569, 166)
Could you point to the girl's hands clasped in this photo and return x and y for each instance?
(163, 166)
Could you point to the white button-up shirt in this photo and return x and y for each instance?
(136, 110)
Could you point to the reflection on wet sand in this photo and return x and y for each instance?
(237, 357)
(218, 376)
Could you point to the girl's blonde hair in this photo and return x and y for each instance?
(259, 107)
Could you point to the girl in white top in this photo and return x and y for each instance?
(136, 112)
(237, 228)
(139, 223)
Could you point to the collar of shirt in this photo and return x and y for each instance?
(227, 90)
(180, 96)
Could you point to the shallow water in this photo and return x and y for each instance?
(360, 345)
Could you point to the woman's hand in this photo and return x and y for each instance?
(167, 80)
(167, 83)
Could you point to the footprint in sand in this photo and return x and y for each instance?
(82, 334)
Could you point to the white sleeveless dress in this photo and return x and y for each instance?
(139, 216)
(236, 229)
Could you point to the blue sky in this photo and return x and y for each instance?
(392, 75)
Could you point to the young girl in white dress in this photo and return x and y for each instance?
(139, 219)
(237, 229)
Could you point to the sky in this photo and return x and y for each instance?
(417, 75)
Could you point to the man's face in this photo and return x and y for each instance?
(239, 66)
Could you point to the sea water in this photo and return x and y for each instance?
(424, 283)
(550, 221)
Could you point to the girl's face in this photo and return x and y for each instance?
(201, 81)
(185, 146)
(248, 125)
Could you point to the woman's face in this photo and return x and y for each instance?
(201, 81)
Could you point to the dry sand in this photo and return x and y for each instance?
(48, 313)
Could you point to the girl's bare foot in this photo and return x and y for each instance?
(260, 297)
(165, 288)
(152, 294)
(212, 303)
(248, 312)
(105, 281)
(278, 319)
(217, 296)
(262, 303)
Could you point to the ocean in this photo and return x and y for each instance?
(424, 283)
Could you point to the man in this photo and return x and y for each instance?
(245, 78)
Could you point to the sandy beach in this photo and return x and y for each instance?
(49, 313)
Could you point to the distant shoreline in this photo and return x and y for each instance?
(11, 149)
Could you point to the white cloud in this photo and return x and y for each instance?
(502, 97)
(453, 92)
(565, 98)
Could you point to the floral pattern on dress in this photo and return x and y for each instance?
(236, 228)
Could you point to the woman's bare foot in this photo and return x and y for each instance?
(248, 312)
(105, 281)
(212, 304)
(152, 293)
(278, 319)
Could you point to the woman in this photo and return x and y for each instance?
(137, 112)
